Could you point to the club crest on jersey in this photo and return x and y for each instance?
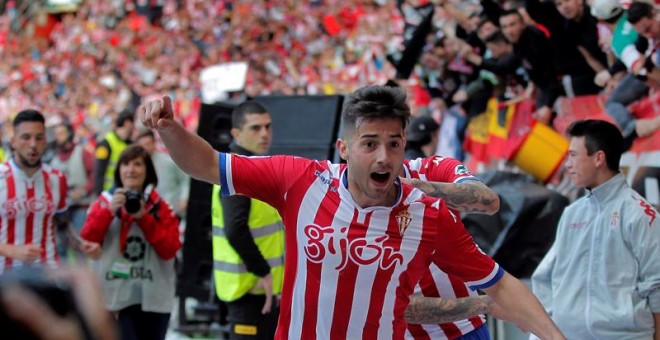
(403, 219)
(461, 170)
(614, 221)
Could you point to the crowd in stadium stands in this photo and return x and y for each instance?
(106, 56)
(88, 65)
(89, 69)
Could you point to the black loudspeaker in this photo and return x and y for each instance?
(304, 126)
(214, 127)
(215, 124)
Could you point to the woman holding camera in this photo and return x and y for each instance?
(140, 237)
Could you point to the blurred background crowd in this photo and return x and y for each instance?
(479, 69)
(85, 62)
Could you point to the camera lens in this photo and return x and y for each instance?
(132, 204)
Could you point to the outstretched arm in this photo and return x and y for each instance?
(523, 308)
(190, 152)
(468, 196)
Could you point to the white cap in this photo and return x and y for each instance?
(606, 9)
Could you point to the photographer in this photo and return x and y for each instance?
(140, 236)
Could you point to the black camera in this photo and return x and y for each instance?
(133, 201)
(56, 294)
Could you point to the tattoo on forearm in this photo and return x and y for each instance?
(466, 197)
(426, 310)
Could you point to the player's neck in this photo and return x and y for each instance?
(28, 170)
(364, 201)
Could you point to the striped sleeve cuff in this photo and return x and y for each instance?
(489, 280)
(224, 166)
(468, 178)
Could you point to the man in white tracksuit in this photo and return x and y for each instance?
(601, 278)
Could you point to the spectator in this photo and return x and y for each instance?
(604, 258)
(76, 164)
(574, 35)
(173, 184)
(531, 49)
(630, 88)
(109, 149)
(140, 237)
(422, 137)
(645, 19)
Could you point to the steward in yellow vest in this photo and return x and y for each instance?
(108, 151)
(233, 278)
(248, 240)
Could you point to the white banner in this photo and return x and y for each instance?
(217, 80)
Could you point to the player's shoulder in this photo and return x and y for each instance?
(413, 196)
(435, 161)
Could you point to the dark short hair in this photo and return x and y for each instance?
(245, 108)
(496, 37)
(28, 116)
(639, 10)
(600, 135)
(124, 116)
(71, 133)
(484, 19)
(132, 152)
(511, 11)
(375, 102)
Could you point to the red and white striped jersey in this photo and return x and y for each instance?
(350, 271)
(27, 208)
(438, 169)
(435, 282)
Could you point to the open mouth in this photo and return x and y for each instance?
(380, 177)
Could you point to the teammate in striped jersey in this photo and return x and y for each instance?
(32, 199)
(358, 241)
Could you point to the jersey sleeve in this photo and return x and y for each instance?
(457, 254)
(266, 178)
(441, 169)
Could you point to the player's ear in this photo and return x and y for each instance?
(342, 146)
(235, 133)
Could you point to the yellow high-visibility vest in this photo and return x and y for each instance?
(232, 279)
(116, 147)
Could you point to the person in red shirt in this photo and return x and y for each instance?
(357, 239)
(140, 236)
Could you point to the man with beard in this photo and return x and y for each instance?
(32, 199)
(77, 164)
